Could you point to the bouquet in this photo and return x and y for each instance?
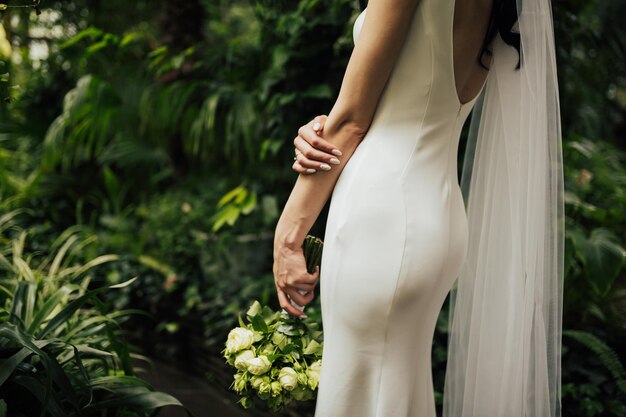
(278, 357)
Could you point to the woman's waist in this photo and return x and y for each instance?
(388, 160)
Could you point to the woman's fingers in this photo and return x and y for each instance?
(302, 286)
(302, 299)
(313, 138)
(309, 157)
(302, 170)
(291, 286)
(319, 122)
(304, 281)
(312, 151)
(286, 304)
(314, 276)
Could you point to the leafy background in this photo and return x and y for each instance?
(161, 133)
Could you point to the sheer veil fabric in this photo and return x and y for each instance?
(504, 344)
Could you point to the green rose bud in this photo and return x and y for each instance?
(276, 388)
(246, 402)
(256, 382)
(265, 387)
(240, 382)
(302, 378)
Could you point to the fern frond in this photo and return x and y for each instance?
(608, 357)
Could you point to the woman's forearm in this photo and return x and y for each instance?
(311, 192)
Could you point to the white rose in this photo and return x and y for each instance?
(314, 373)
(316, 366)
(240, 361)
(258, 366)
(288, 378)
(239, 338)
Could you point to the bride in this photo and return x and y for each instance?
(402, 233)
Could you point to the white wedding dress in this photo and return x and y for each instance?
(396, 234)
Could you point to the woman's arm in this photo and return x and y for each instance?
(371, 62)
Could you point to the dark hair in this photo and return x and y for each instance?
(503, 17)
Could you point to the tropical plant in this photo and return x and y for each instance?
(592, 391)
(595, 287)
(135, 128)
(62, 350)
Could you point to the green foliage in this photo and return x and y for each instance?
(593, 385)
(595, 237)
(176, 154)
(601, 256)
(595, 293)
(61, 356)
(237, 201)
(591, 57)
(191, 277)
(76, 136)
(607, 356)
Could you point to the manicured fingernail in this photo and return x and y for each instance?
(310, 170)
(325, 167)
(336, 152)
(316, 126)
(304, 316)
(334, 161)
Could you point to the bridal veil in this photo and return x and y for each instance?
(504, 344)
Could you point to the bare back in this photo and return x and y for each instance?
(471, 18)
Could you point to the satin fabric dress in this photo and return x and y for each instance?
(396, 234)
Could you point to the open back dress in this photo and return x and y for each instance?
(396, 235)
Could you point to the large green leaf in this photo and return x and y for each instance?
(137, 396)
(54, 371)
(39, 391)
(601, 256)
(74, 305)
(47, 308)
(259, 324)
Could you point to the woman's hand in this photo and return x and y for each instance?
(291, 276)
(312, 151)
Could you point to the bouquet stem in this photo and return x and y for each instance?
(312, 248)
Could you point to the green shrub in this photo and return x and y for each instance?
(62, 354)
